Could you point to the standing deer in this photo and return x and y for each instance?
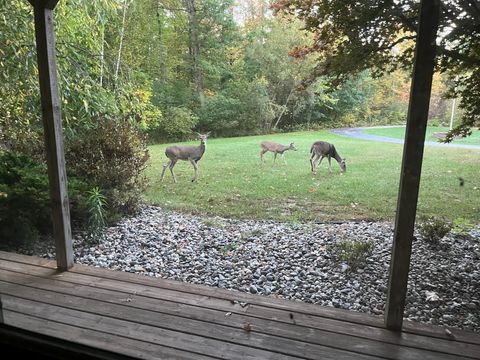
(276, 149)
(319, 150)
(187, 153)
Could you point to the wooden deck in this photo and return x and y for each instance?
(109, 312)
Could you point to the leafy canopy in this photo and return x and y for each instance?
(380, 35)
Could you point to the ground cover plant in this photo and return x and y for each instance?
(234, 183)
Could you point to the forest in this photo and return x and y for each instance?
(136, 73)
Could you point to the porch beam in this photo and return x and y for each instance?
(417, 116)
(52, 124)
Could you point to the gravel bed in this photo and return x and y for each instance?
(295, 261)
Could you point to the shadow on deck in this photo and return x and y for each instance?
(97, 313)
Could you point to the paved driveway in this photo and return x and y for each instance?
(359, 133)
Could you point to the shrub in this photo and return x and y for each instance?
(433, 228)
(354, 253)
(24, 199)
(177, 123)
(111, 155)
(25, 207)
(221, 114)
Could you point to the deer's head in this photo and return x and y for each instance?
(203, 137)
(292, 146)
(343, 165)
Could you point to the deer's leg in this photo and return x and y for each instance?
(283, 157)
(329, 164)
(195, 168)
(165, 168)
(311, 161)
(274, 158)
(315, 164)
(319, 160)
(261, 155)
(172, 164)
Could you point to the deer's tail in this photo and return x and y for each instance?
(311, 150)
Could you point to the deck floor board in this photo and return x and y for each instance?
(150, 318)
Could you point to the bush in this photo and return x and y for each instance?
(354, 253)
(25, 207)
(221, 114)
(111, 155)
(177, 123)
(433, 228)
(24, 199)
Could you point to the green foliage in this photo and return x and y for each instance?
(24, 199)
(221, 114)
(381, 36)
(230, 246)
(111, 155)
(96, 204)
(20, 106)
(25, 208)
(178, 123)
(135, 102)
(353, 253)
(433, 228)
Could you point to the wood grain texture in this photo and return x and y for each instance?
(52, 125)
(145, 317)
(412, 162)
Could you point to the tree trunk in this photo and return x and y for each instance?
(283, 109)
(161, 45)
(194, 49)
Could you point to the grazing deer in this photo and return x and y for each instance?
(319, 150)
(276, 149)
(186, 153)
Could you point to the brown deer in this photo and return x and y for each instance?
(276, 149)
(321, 149)
(186, 153)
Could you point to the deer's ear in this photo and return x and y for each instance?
(208, 133)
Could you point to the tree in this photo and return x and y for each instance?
(380, 34)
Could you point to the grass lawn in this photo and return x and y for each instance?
(234, 183)
(399, 133)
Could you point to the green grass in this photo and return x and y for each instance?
(234, 183)
(399, 133)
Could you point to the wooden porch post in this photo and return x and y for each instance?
(52, 123)
(412, 162)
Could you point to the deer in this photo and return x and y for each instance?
(276, 149)
(321, 149)
(186, 153)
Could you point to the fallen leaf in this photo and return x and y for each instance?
(228, 313)
(247, 327)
